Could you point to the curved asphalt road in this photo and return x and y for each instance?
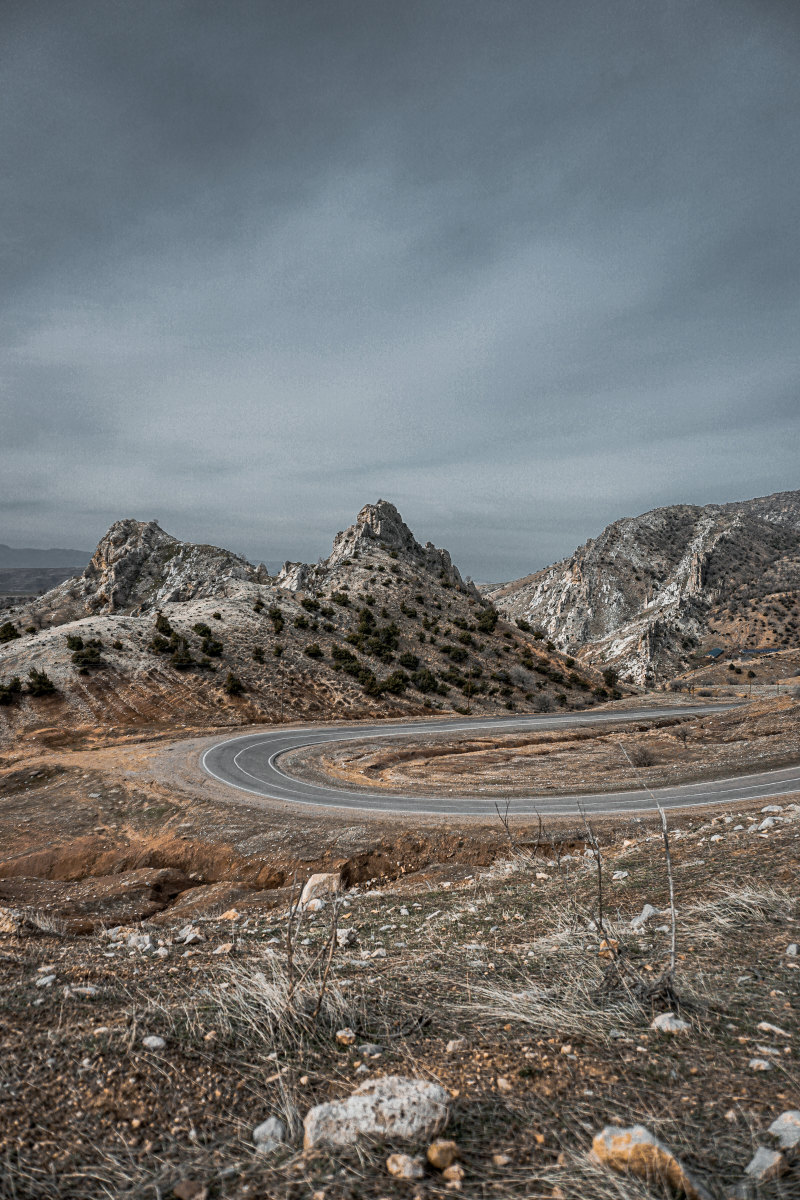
(251, 763)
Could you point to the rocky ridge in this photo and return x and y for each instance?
(137, 567)
(161, 633)
(653, 592)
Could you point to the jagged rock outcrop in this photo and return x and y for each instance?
(648, 591)
(379, 530)
(138, 567)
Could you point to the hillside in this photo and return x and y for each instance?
(158, 633)
(653, 593)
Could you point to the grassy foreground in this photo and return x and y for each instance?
(551, 1027)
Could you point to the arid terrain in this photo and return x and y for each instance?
(182, 963)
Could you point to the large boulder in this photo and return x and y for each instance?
(393, 1107)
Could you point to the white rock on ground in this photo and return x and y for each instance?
(792, 950)
(645, 916)
(403, 1166)
(759, 1064)
(346, 937)
(766, 1164)
(321, 885)
(391, 1107)
(669, 1023)
(786, 1128)
(153, 1042)
(639, 1151)
(269, 1135)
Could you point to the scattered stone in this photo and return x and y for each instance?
(224, 948)
(370, 1050)
(767, 823)
(766, 1027)
(403, 1166)
(637, 1150)
(315, 905)
(792, 950)
(618, 875)
(766, 1164)
(669, 1023)
(232, 914)
(501, 1160)
(454, 1173)
(140, 941)
(442, 1153)
(346, 937)
(786, 1128)
(391, 1107)
(455, 1045)
(345, 1037)
(645, 916)
(81, 989)
(45, 981)
(759, 1064)
(321, 885)
(153, 1042)
(190, 1189)
(504, 1084)
(269, 1135)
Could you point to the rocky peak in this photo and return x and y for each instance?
(378, 532)
(377, 526)
(137, 566)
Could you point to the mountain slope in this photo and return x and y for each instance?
(652, 591)
(158, 633)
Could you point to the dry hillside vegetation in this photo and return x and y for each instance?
(159, 634)
(512, 988)
(673, 750)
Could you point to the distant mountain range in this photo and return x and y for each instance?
(652, 594)
(27, 557)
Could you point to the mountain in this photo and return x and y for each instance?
(138, 567)
(160, 633)
(652, 593)
(11, 557)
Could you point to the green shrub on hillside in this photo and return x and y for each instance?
(40, 683)
(8, 632)
(233, 684)
(9, 691)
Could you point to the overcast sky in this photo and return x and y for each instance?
(520, 266)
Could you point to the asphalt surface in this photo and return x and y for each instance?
(251, 763)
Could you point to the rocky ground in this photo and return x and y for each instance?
(140, 1059)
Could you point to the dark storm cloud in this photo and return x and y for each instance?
(520, 267)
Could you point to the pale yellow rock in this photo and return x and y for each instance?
(639, 1151)
(454, 1173)
(442, 1153)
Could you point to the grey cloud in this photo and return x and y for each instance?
(521, 268)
